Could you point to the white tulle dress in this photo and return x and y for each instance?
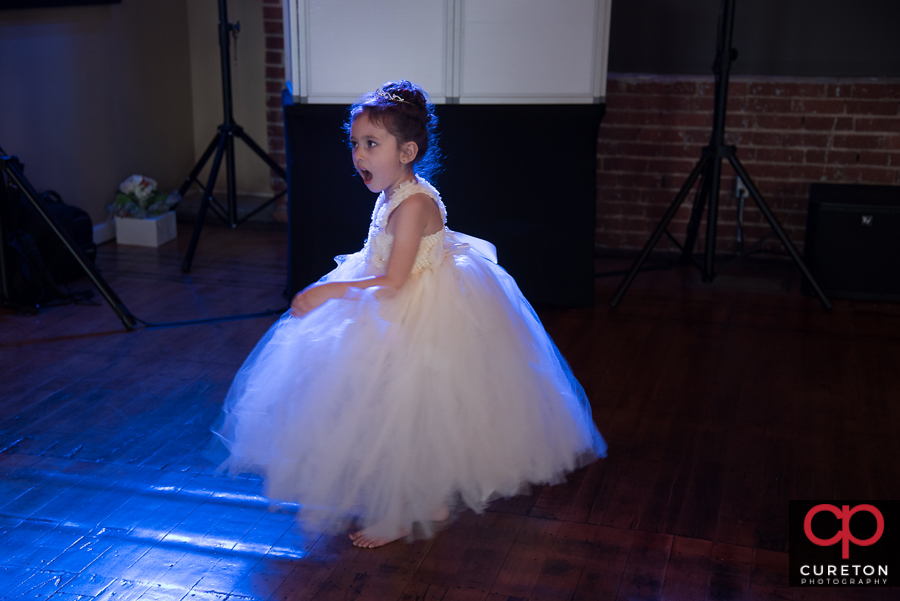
(387, 408)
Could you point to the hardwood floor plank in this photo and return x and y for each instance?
(778, 467)
(123, 590)
(395, 573)
(47, 547)
(186, 426)
(699, 512)
(273, 532)
(258, 570)
(554, 502)
(814, 471)
(814, 594)
(646, 568)
(526, 558)
(719, 406)
(352, 572)
(623, 509)
(485, 556)
(44, 404)
(310, 573)
(31, 370)
(420, 591)
(451, 549)
(729, 573)
(588, 493)
(564, 565)
(684, 386)
(738, 512)
(666, 496)
(769, 576)
(39, 583)
(521, 504)
(604, 569)
(187, 571)
(687, 574)
(727, 380)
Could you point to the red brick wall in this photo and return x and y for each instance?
(273, 21)
(789, 133)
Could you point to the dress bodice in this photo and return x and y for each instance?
(379, 243)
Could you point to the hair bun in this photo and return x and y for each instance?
(403, 108)
(408, 91)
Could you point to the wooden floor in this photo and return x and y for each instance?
(720, 403)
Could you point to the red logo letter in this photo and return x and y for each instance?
(844, 514)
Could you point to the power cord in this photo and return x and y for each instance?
(191, 322)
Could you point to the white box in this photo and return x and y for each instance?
(104, 232)
(152, 231)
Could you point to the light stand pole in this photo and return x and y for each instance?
(710, 167)
(223, 144)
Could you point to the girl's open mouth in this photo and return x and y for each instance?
(366, 175)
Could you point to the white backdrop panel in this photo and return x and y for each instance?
(470, 51)
(356, 46)
(518, 49)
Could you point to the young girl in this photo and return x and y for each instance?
(414, 380)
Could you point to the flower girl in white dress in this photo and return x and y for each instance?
(414, 380)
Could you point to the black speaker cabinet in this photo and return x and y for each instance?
(521, 176)
(853, 240)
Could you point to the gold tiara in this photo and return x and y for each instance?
(392, 97)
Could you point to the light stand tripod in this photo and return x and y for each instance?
(710, 167)
(12, 170)
(223, 143)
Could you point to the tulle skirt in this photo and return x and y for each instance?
(388, 408)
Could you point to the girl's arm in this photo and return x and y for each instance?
(407, 223)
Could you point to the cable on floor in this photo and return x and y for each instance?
(191, 322)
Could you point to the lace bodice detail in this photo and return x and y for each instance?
(379, 243)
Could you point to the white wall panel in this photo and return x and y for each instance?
(527, 49)
(353, 46)
(468, 51)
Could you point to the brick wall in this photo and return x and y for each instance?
(273, 21)
(789, 133)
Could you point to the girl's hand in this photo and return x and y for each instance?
(315, 295)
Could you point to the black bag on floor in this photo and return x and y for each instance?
(57, 258)
(30, 282)
(27, 283)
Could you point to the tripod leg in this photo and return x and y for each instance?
(770, 217)
(712, 216)
(5, 277)
(109, 295)
(670, 213)
(204, 205)
(261, 207)
(696, 215)
(239, 131)
(230, 179)
(199, 166)
(262, 154)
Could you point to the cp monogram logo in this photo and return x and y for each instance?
(844, 514)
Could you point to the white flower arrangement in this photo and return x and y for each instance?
(138, 199)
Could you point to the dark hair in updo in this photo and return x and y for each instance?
(412, 120)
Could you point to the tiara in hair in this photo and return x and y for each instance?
(392, 97)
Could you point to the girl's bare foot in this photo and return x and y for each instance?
(441, 514)
(363, 539)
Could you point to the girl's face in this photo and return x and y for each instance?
(379, 159)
